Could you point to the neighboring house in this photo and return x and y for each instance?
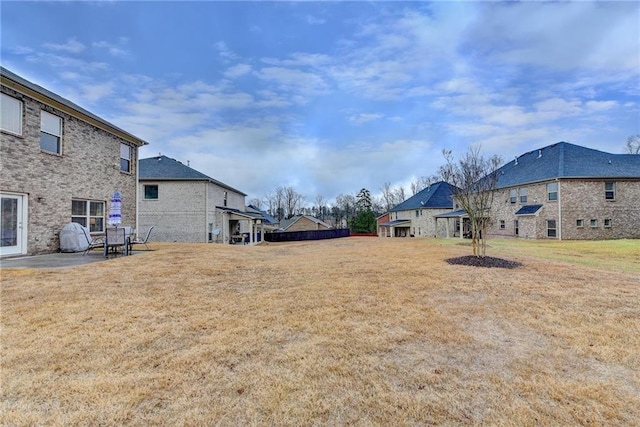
(383, 230)
(416, 215)
(184, 205)
(565, 191)
(303, 223)
(58, 163)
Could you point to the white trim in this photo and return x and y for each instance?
(23, 210)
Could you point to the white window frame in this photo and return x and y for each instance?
(607, 222)
(125, 158)
(513, 196)
(593, 223)
(552, 230)
(611, 191)
(552, 188)
(524, 195)
(11, 119)
(87, 217)
(580, 223)
(51, 130)
(503, 224)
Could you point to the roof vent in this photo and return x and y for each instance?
(539, 153)
(516, 160)
(609, 161)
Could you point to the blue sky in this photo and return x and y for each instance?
(331, 97)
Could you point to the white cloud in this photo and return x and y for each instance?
(237, 70)
(71, 46)
(364, 117)
(112, 49)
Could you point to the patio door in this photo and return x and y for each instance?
(12, 224)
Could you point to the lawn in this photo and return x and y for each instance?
(360, 331)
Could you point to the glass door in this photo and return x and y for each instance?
(11, 218)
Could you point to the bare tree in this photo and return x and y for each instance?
(475, 179)
(400, 195)
(292, 201)
(257, 203)
(633, 144)
(388, 197)
(421, 183)
(276, 203)
(320, 207)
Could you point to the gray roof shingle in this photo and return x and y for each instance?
(163, 168)
(565, 160)
(438, 195)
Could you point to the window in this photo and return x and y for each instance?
(552, 191)
(88, 213)
(579, 223)
(502, 224)
(610, 190)
(607, 223)
(125, 158)
(594, 223)
(11, 114)
(225, 202)
(516, 228)
(523, 195)
(551, 228)
(50, 133)
(513, 195)
(151, 192)
(417, 213)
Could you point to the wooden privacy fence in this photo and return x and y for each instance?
(294, 236)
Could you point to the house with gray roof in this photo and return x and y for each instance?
(566, 191)
(59, 163)
(184, 205)
(415, 216)
(303, 223)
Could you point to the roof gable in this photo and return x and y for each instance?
(165, 168)
(24, 86)
(438, 195)
(565, 160)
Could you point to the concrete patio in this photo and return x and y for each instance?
(57, 260)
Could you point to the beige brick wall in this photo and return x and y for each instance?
(84, 170)
(184, 210)
(305, 224)
(424, 223)
(578, 199)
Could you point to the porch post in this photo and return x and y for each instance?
(461, 226)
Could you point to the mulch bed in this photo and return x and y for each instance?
(487, 261)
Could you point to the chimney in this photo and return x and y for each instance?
(516, 160)
(539, 153)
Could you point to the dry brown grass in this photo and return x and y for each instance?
(360, 331)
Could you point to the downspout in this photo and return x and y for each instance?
(559, 211)
(137, 186)
(206, 214)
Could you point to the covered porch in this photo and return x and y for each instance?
(396, 228)
(457, 223)
(240, 227)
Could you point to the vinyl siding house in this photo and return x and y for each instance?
(565, 191)
(58, 163)
(415, 216)
(184, 205)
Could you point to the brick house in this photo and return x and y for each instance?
(184, 205)
(416, 215)
(303, 223)
(565, 191)
(58, 163)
